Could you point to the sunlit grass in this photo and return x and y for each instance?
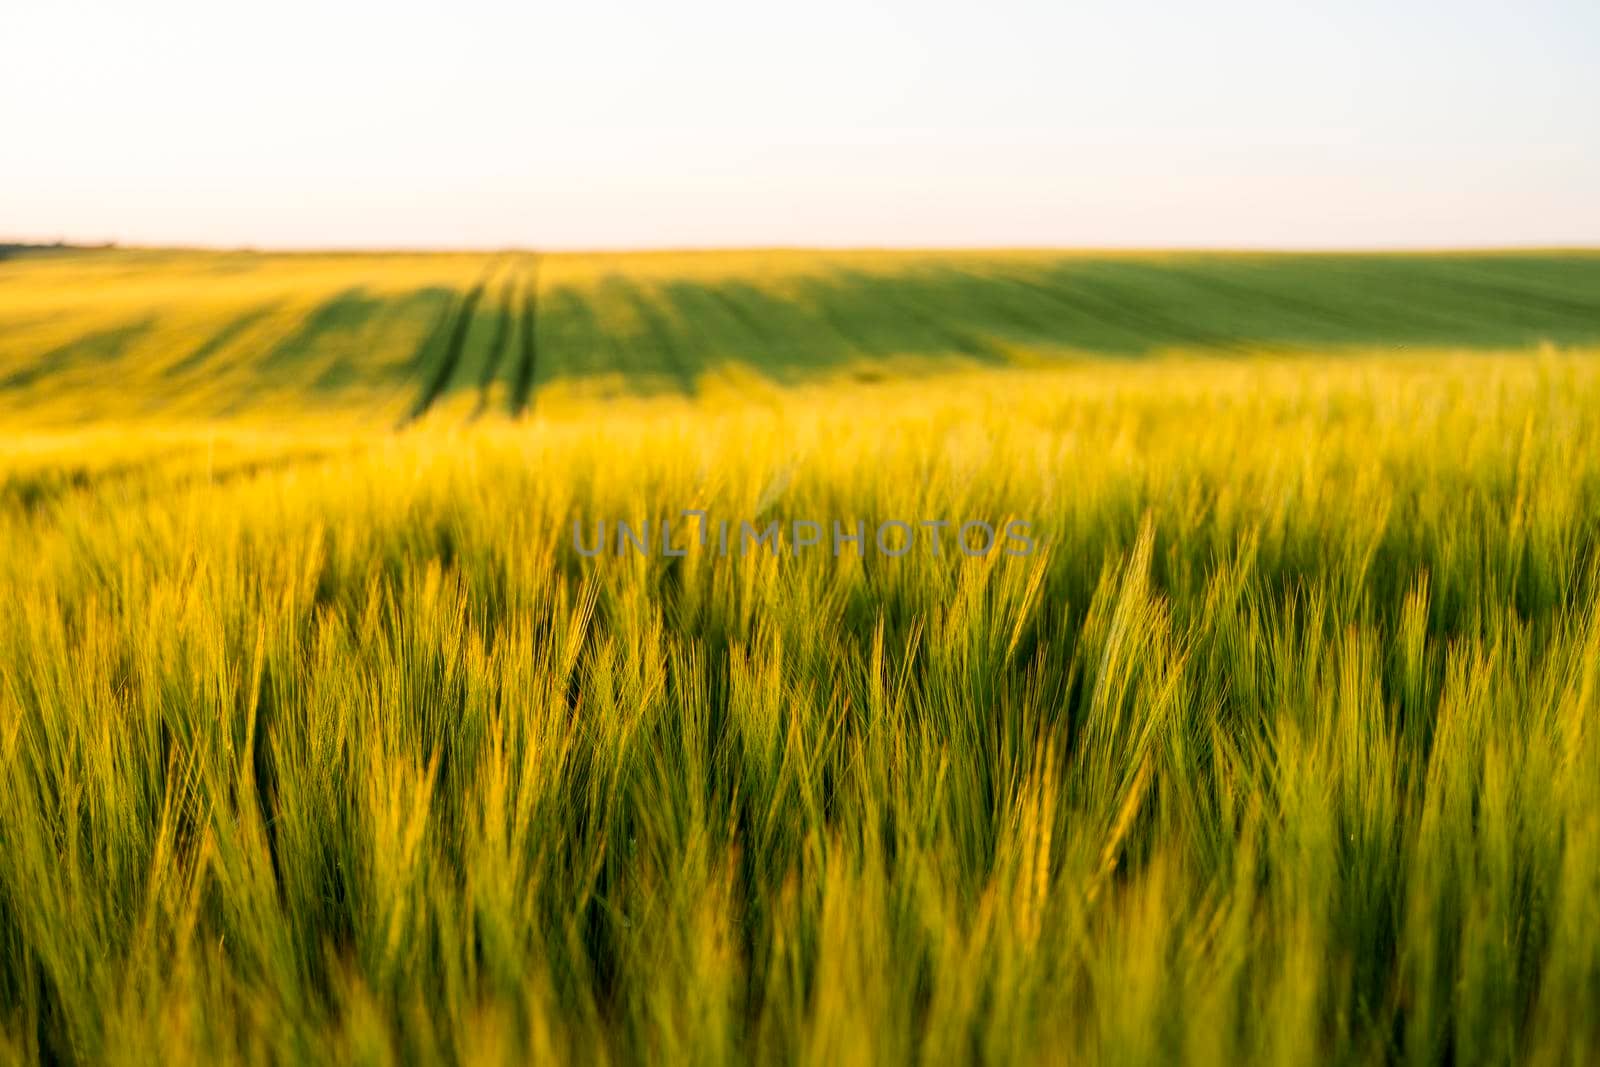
(319, 742)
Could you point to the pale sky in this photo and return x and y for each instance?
(621, 123)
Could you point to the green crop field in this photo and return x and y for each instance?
(325, 739)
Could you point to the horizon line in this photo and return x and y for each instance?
(15, 243)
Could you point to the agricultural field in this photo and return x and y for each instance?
(325, 738)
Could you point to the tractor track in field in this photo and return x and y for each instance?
(522, 390)
(455, 325)
(498, 344)
(1097, 303)
(969, 343)
(662, 337)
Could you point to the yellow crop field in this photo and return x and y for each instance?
(799, 657)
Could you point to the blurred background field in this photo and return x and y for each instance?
(112, 334)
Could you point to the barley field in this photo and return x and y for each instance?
(323, 739)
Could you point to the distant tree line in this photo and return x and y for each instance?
(17, 248)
